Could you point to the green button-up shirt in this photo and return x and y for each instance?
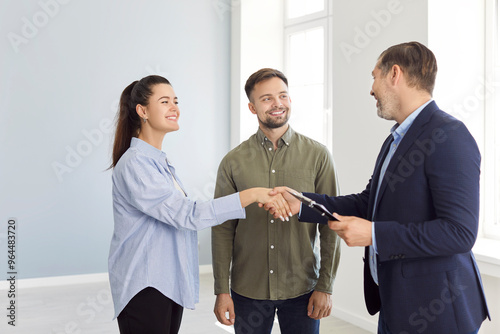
(267, 258)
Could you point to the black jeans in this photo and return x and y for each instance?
(150, 312)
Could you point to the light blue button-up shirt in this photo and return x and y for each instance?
(155, 243)
(398, 131)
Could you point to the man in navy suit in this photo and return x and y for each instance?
(418, 216)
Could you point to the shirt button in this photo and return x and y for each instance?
(272, 246)
(271, 271)
(270, 148)
(273, 171)
(272, 221)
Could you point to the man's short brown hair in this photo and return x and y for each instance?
(262, 75)
(417, 62)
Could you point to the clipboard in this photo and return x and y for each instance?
(320, 208)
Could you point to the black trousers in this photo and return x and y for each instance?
(150, 312)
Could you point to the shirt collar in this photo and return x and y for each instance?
(398, 131)
(147, 149)
(285, 139)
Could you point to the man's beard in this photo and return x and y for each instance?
(274, 123)
(388, 108)
(383, 114)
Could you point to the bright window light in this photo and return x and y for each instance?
(298, 8)
(306, 77)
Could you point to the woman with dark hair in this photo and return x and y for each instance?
(153, 260)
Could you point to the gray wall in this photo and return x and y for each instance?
(63, 65)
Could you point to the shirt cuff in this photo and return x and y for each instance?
(228, 207)
(221, 286)
(374, 241)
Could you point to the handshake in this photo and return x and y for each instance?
(282, 204)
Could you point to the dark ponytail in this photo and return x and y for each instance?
(128, 122)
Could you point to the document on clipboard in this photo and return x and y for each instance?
(320, 208)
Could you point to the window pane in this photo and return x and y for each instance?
(307, 57)
(306, 78)
(497, 181)
(308, 111)
(298, 8)
(496, 168)
(495, 118)
(495, 228)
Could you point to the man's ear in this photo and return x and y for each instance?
(251, 106)
(395, 74)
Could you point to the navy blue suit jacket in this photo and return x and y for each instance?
(426, 222)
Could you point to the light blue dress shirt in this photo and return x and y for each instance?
(398, 131)
(155, 243)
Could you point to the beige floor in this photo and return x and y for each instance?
(87, 308)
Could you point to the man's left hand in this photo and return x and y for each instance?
(354, 230)
(320, 305)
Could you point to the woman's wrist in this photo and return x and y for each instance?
(251, 195)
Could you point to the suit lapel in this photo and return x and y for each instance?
(406, 143)
(376, 173)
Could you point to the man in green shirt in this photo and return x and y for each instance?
(288, 267)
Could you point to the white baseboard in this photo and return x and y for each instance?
(370, 325)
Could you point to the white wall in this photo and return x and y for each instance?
(361, 31)
(64, 65)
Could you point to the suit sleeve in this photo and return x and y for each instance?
(349, 205)
(223, 235)
(326, 182)
(452, 173)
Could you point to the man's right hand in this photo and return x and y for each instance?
(293, 203)
(223, 304)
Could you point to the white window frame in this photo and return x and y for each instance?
(319, 19)
(305, 18)
(491, 221)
